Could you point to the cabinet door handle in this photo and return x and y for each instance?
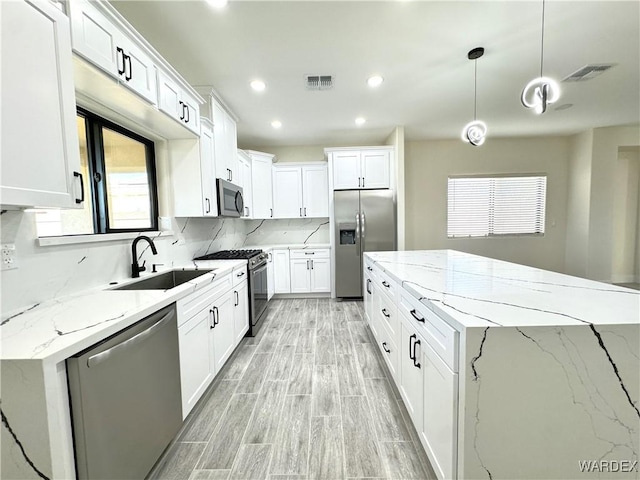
(237, 298)
(81, 199)
(216, 316)
(128, 76)
(300, 211)
(415, 362)
(186, 107)
(359, 182)
(271, 210)
(385, 313)
(120, 54)
(307, 264)
(309, 253)
(311, 264)
(370, 269)
(305, 211)
(385, 284)
(208, 205)
(182, 105)
(414, 315)
(212, 325)
(231, 175)
(362, 182)
(368, 285)
(411, 346)
(384, 347)
(241, 274)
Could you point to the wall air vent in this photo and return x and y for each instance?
(318, 82)
(588, 72)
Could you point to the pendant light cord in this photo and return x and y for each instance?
(475, 88)
(542, 41)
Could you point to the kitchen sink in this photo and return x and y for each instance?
(165, 281)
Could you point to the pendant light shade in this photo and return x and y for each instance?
(475, 131)
(541, 91)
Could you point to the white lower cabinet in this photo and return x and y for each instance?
(411, 372)
(271, 287)
(211, 323)
(440, 414)
(310, 270)
(281, 274)
(197, 366)
(240, 310)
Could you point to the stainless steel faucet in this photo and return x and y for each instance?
(135, 268)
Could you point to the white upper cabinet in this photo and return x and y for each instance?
(102, 43)
(40, 159)
(261, 180)
(300, 191)
(287, 192)
(244, 168)
(360, 169)
(177, 103)
(193, 165)
(226, 143)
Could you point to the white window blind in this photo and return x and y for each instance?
(489, 206)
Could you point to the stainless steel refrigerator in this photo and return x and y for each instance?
(364, 221)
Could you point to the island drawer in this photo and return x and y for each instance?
(309, 253)
(388, 314)
(192, 304)
(441, 336)
(239, 275)
(371, 269)
(387, 286)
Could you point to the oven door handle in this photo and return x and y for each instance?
(262, 268)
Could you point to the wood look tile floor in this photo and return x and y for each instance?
(309, 397)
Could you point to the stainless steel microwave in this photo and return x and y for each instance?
(230, 201)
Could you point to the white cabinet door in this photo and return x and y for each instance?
(240, 311)
(281, 271)
(270, 276)
(315, 190)
(197, 367)
(287, 192)
(244, 175)
(440, 421)
(375, 169)
(231, 140)
(320, 275)
(139, 70)
(368, 299)
(346, 170)
(411, 373)
(223, 331)
(40, 154)
(261, 181)
(300, 277)
(207, 161)
(190, 114)
(169, 95)
(226, 144)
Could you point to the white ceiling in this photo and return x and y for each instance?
(420, 48)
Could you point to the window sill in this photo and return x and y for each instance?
(100, 237)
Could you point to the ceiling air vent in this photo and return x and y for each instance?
(588, 72)
(318, 82)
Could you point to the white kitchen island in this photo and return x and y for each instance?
(507, 371)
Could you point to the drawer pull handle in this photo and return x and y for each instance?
(384, 347)
(415, 362)
(414, 315)
(309, 253)
(385, 313)
(240, 274)
(385, 284)
(370, 269)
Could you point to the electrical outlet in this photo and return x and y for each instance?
(9, 260)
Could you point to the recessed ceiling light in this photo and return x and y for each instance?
(375, 81)
(217, 3)
(360, 121)
(276, 124)
(258, 85)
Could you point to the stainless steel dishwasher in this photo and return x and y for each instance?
(125, 399)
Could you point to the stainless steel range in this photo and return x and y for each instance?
(257, 270)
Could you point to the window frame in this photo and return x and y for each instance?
(96, 164)
(492, 211)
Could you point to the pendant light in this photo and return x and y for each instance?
(475, 132)
(541, 91)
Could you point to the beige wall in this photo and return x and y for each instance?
(429, 163)
(578, 193)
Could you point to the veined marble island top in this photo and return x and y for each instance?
(473, 291)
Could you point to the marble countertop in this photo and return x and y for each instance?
(54, 330)
(289, 246)
(473, 291)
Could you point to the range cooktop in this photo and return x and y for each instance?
(231, 255)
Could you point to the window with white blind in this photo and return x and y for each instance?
(501, 205)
